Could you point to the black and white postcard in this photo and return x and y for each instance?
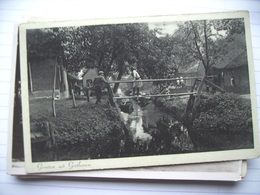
(227, 171)
(137, 92)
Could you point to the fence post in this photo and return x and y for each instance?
(53, 92)
(110, 96)
(73, 96)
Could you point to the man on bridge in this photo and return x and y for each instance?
(99, 84)
(136, 85)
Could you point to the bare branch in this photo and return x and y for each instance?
(206, 44)
(196, 44)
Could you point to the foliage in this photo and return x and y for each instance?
(97, 128)
(223, 116)
(222, 121)
(176, 106)
(169, 137)
(224, 112)
(114, 48)
(205, 41)
(42, 43)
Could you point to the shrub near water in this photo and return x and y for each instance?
(176, 106)
(222, 121)
(98, 128)
(95, 129)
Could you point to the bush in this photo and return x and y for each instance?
(176, 106)
(96, 129)
(221, 121)
(100, 131)
(224, 112)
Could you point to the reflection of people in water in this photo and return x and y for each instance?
(136, 85)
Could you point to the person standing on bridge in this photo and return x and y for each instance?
(136, 85)
(99, 84)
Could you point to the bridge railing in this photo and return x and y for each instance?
(156, 95)
(157, 80)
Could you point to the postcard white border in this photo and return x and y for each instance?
(222, 170)
(73, 165)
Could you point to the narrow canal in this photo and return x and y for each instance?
(154, 130)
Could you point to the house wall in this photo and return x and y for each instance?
(241, 78)
(91, 74)
(42, 73)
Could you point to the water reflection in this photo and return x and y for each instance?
(153, 129)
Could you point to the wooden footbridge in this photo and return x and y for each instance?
(191, 92)
(194, 93)
(154, 81)
(155, 95)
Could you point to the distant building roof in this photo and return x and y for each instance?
(232, 62)
(195, 68)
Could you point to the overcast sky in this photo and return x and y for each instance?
(166, 27)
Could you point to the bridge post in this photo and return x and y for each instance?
(110, 96)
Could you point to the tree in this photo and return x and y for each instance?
(199, 42)
(209, 41)
(106, 47)
(47, 43)
(109, 47)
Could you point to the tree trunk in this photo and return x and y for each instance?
(64, 85)
(73, 96)
(120, 74)
(110, 96)
(206, 43)
(117, 84)
(108, 68)
(53, 91)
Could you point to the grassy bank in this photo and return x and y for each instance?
(96, 128)
(222, 121)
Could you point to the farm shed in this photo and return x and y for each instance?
(233, 73)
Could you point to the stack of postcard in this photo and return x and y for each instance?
(157, 98)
